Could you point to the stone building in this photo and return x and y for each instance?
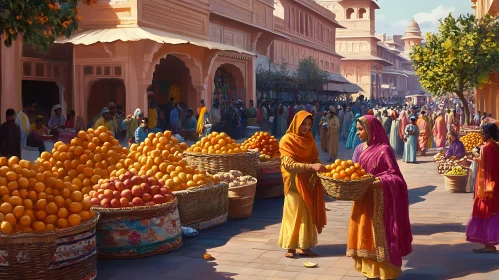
(487, 99)
(127, 50)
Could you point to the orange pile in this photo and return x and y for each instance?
(472, 140)
(217, 143)
(34, 199)
(344, 170)
(264, 143)
(160, 156)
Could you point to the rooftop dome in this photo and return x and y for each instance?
(412, 31)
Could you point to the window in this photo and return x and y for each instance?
(362, 12)
(302, 23)
(306, 25)
(349, 13)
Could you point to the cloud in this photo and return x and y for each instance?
(428, 21)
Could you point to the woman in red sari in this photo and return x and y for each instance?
(379, 234)
(484, 224)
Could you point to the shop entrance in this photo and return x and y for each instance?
(44, 94)
(102, 93)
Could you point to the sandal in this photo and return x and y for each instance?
(290, 255)
(485, 250)
(308, 253)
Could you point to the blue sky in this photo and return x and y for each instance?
(394, 15)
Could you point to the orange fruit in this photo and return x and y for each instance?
(6, 227)
(38, 226)
(6, 208)
(51, 219)
(75, 207)
(10, 218)
(25, 221)
(51, 208)
(62, 213)
(74, 220)
(18, 211)
(39, 187)
(41, 204)
(15, 200)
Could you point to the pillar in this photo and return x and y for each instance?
(11, 93)
(252, 95)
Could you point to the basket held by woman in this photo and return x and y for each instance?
(350, 190)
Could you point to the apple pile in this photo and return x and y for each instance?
(129, 190)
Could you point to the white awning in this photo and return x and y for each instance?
(125, 34)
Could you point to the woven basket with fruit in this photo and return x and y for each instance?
(345, 180)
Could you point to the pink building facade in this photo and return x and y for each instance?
(127, 51)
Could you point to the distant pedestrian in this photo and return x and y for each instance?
(411, 141)
(10, 136)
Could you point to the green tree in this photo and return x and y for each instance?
(460, 56)
(264, 78)
(39, 22)
(309, 76)
(280, 77)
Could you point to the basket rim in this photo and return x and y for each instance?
(57, 232)
(451, 175)
(361, 179)
(245, 185)
(203, 187)
(136, 209)
(219, 155)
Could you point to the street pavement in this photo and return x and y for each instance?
(247, 248)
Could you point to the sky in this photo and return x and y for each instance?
(394, 15)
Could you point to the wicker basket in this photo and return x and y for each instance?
(241, 199)
(269, 178)
(50, 255)
(134, 232)
(346, 190)
(244, 162)
(203, 207)
(455, 183)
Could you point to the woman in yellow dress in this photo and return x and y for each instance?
(379, 233)
(304, 213)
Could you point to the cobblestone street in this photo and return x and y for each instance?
(247, 248)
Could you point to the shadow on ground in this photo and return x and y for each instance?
(416, 194)
(429, 229)
(435, 262)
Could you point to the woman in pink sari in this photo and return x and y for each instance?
(379, 233)
(440, 131)
(424, 133)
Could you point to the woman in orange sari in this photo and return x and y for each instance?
(379, 233)
(484, 224)
(304, 213)
(424, 133)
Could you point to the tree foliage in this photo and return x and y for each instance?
(309, 76)
(39, 22)
(460, 56)
(273, 77)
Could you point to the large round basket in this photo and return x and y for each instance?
(241, 199)
(244, 162)
(134, 232)
(53, 255)
(269, 178)
(203, 207)
(346, 190)
(455, 183)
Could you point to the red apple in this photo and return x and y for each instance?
(96, 187)
(152, 181)
(137, 191)
(146, 197)
(110, 186)
(122, 177)
(101, 196)
(117, 194)
(155, 190)
(169, 197)
(137, 201)
(119, 186)
(95, 201)
(158, 199)
(144, 178)
(105, 203)
(128, 174)
(136, 180)
(146, 188)
(150, 203)
(127, 194)
(114, 178)
(124, 202)
(165, 190)
(108, 194)
(130, 204)
(128, 184)
(115, 203)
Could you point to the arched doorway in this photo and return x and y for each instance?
(229, 84)
(172, 78)
(45, 94)
(102, 93)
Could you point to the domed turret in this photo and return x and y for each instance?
(412, 35)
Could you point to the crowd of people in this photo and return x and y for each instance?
(379, 233)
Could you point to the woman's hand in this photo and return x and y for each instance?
(318, 167)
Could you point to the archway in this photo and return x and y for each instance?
(45, 94)
(172, 78)
(229, 83)
(102, 93)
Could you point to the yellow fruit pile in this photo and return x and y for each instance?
(90, 156)
(34, 199)
(472, 140)
(217, 143)
(344, 170)
(264, 143)
(160, 156)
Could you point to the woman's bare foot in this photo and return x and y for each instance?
(290, 254)
(486, 249)
(307, 253)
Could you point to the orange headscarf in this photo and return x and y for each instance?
(304, 150)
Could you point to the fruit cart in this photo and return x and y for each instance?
(50, 255)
